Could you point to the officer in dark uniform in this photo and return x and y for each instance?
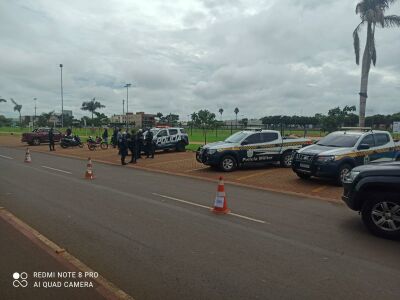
(140, 143)
(132, 145)
(123, 149)
(51, 139)
(149, 144)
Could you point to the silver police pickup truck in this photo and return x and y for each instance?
(337, 153)
(250, 147)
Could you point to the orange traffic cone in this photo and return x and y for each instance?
(220, 205)
(89, 171)
(28, 158)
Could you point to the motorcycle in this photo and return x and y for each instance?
(70, 141)
(94, 143)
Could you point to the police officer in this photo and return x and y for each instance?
(123, 149)
(114, 140)
(140, 143)
(149, 144)
(132, 145)
(51, 139)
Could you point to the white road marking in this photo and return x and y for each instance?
(58, 170)
(207, 207)
(7, 157)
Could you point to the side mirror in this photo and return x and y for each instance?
(363, 147)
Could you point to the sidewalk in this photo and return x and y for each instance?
(18, 253)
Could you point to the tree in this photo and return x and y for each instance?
(17, 107)
(92, 106)
(372, 14)
(221, 111)
(44, 118)
(3, 100)
(236, 113)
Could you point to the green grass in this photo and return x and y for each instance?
(195, 135)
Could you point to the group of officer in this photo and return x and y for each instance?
(135, 142)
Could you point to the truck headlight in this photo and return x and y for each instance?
(212, 151)
(325, 159)
(351, 176)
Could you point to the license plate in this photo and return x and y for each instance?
(305, 166)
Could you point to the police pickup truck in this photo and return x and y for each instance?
(250, 147)
(337, 153)
(172, 138)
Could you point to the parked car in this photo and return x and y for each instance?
(172, 138)
(250, 147)
(374, 190)
(40, 135)
(336, 154)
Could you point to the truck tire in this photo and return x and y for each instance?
(180, 147)
(36, 141)
(381, 214)
(286, 159)
(303, 176)
(228, 163)
(343, 170)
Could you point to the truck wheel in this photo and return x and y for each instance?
(343, 170)
(303, 176)
(286, 159)
(180, 147)
(36, 141)
(228, 163)
(381, 215)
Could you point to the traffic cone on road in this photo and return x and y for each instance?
(28, 158)
(220, 205)
(89, 170)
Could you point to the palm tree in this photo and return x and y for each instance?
(221, 111)
(236, 113)
(3, 100)
(372, 14)
(17, 107)
(92, 106)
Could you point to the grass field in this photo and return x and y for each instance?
(195, 135)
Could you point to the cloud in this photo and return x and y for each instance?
(263, 56)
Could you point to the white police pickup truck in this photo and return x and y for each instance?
(337, 153)
(250, 147)
(171, 138)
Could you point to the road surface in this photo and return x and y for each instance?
(154, 237)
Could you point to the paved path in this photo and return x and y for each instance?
(152, 235)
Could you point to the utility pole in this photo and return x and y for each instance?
(123, 106)
(62, 98)
(34, 118)
(127, 101)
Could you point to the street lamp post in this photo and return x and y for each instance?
(62, 98)
(34, 118)
(123, 106)
(127, 101)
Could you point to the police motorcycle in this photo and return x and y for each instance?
(97, 142)
(70, 141)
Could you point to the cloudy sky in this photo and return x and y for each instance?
(264, 56)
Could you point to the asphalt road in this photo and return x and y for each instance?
(152, 235)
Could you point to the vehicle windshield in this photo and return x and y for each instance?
(339, 140)
(154, 130)
(237, 137)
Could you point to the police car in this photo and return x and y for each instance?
(172, 138)
(337, 153)
(250, 147)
